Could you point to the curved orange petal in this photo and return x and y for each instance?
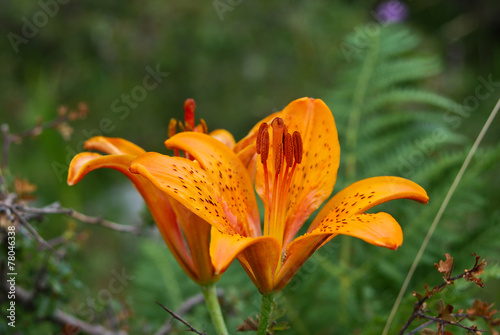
(197, 234)
(297, 253)
(367, 193)
(113, 145)
(315, 176)
(85, 162)
(223, 136)
(259, 256)
(249, 159)
(156, 200)
(228, 175)
(379, 229)
(185, 181)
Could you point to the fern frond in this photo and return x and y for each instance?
(404, 70)
(408, 95)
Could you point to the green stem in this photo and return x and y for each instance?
(213, 307)
(266, 309)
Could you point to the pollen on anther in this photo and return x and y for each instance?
(278, 155)
(260, 133)
(262, 143)
(278, 129)
(297, 146)
(288, 149)
(172, 127)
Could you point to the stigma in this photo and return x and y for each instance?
(189, 121)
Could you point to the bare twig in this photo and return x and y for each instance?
(56, 208)
(101, 222)
(28, 227)
(422, 326)
(468, 274)
(177, 317)
(433, 319)
(186, 306)
(66, 319)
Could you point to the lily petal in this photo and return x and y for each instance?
(85, 162)
(113, 146)
(297, 253)
(367, 193)
(379, 229)
(224, 136)
(156, 200)
(258, 256)
(315, 177)
(185, 181)
(197, 235)
(229, 176)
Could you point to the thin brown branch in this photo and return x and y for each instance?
(422, 326)
(447, 281)
(30, 228)
(442, 321)
(101, 222)
(71, 322)
(177, 317)
(186, 306)
(56, 208)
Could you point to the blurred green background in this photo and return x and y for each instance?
(241, 62)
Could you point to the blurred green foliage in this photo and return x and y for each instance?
(254, 61)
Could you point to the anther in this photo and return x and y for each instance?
(172, 127)
(297, 146)
(278, 128)
(288, 149)
(264, 146)
(189, 107)
(204, 127)
(258, 144)
(278, 157)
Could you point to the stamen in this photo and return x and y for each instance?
(258, 144)
(189, 107)
(204, 127)
(288, 149)
(264, 147)
(297, 147)
(278, 128)
(278, 158)
(172, 127)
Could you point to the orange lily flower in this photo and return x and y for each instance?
(187, 235)
(298, 153)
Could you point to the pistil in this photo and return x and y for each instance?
(187, 125)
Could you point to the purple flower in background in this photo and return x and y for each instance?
(391, 11)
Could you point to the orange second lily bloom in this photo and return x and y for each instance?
(187, 235)
(296, 156)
